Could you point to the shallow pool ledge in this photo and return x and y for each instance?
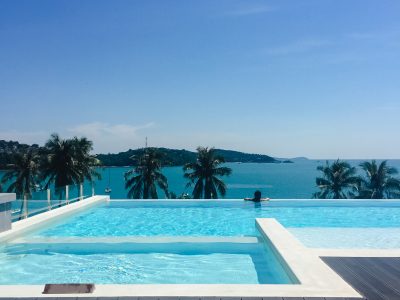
(32, 223)
(312, 273)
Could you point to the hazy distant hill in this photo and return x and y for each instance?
(174, 157)
(293, 159)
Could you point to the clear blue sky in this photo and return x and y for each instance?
(286, 78)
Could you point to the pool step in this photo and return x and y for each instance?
(138, 239)
(176, 245)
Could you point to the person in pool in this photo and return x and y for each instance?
(257, 197)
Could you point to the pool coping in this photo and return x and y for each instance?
(316, 278)
(241, 200)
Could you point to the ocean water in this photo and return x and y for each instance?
(279, 181)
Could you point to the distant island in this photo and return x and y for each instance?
(171, 157)
(174, 157)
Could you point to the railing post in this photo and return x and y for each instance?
(48, 199)
(81, 192)
(92, 189)
(25, 209)
(67, 194)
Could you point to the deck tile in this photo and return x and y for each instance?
(374, 277)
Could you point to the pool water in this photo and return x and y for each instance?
(348, 238)
(225, 218)
(96, 245)
(187, 263)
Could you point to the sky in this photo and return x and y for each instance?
(314, 78)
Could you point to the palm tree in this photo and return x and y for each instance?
(205, 174)
(23, 175)
(378, 182)
(86, 162)
(338, 181)
(68, 161)
(142, 180)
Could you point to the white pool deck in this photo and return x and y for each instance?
(315, 277)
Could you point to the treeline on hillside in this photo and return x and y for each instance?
(169, 157)
(8, 148)
(174, 157)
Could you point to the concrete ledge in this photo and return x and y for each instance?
(5, 211)
(316, 278)
(7, 197)
(175, 290)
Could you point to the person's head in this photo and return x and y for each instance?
(257, 195)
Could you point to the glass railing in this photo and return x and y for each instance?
(48, 199)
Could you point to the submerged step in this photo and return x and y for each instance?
(137, 239)
(182, 247)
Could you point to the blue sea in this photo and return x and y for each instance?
(278, 181)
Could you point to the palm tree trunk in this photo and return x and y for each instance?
(146, 191)
(207, 189)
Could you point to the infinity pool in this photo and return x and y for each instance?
(100, 244)
(224, 218)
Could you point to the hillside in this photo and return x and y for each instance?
(171, 157)
(174, 157)
(7, 148)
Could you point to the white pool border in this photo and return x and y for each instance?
(316, 278)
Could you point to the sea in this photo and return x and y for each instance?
(275, 180)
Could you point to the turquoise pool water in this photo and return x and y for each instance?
(348, 238)
(69, 246)
(183, 263)
(224, 218)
